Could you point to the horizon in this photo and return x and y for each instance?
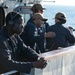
(61, 2)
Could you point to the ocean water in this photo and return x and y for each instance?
(51, 10)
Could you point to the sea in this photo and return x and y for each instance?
(51, 10)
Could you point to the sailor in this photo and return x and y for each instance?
(63, 35)
(31, 35)
(36, 8)
(14, 54)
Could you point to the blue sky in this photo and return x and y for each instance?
(65, 2)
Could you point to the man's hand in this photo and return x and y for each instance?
(70, 29)
(50, 35)
(41, 63)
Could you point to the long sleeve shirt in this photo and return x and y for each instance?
(12, 53)
(62, 39)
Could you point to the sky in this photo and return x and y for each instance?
(63, 2)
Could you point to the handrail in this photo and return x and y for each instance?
(55, 53)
